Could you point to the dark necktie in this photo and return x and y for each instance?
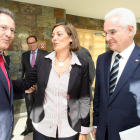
(2, 65)
(114, 74)
(33, 59)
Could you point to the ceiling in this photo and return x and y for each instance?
(90, 8)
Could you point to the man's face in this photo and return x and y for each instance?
(7, 28)
(117, 37)
(32, 43)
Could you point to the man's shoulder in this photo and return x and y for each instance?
(25, 53)
(106, 54)
(42, 51)
(82, 61)
(82, 50)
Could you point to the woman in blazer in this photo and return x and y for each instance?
(62, 105)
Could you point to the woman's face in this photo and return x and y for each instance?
(60, 39)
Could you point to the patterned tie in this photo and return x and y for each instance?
(114, 74)
(2, 65)
(33, 59)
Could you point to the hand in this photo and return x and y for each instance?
(31, 89)
(82, 137)
(94, 133)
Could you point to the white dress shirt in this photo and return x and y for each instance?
(123, 60)
(55, 102)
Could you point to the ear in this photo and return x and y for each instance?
(131, 30)
(71, 38)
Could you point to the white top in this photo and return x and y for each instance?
(55, 102)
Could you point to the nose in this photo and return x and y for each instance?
(8, 32)
(107, 37)
(54, 37)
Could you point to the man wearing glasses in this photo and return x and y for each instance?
(28, 60)
(7, 31)
(117, 90)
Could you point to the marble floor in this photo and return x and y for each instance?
(20, 125)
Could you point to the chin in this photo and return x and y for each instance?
(5, 47)
(56, 49)
(113, 48)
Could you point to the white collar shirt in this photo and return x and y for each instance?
(55, 102)
(123, 60)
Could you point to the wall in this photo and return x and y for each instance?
(30, 20)
(95, 24)
(38, 20)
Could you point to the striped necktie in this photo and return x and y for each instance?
(114, 74)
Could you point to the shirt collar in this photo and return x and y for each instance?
(35, 50)
(74, 59)
(126, 53)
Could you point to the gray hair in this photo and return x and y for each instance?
(7, 12)
(127, 17)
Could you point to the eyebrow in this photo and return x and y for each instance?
(110, 30)
(57, 32)
(7, 26)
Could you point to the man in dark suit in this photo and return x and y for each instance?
(7, 30)
(117, 89)
(27, 62)
(85, 54)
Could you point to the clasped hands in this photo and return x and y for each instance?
(31, 89)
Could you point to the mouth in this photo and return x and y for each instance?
(6, 40)
(110, 43)
(55, 44)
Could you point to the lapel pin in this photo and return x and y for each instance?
(137, 60)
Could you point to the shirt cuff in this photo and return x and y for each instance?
(86, 130)
(95, 126)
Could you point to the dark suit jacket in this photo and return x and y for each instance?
(6, 107)
(78, 89)
(25, 67)
(85, 54)
(122, 110)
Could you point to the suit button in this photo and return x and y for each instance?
(105, 124)
(109, 107)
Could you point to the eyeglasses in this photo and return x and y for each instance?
(31, 43)
(110, 33)
(4, 28)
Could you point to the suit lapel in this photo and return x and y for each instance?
(4, 81)
(107, 72)
(130, 67)
(73, 76)
(28, 58)
(47, 65)
(38, 54)
(11, 86)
